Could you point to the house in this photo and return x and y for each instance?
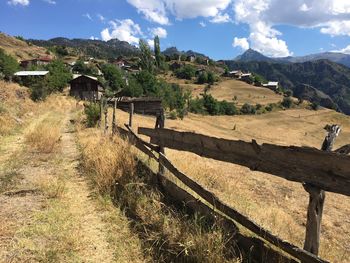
(245, 77)
(273, 85)
(235, 74)
(31, 73)
(191, 58)
(43, 61)
(86, 88)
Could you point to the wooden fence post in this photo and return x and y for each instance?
(161, 124)
(316, 200)
(101, 112)
(131, 113)
(114, 123)
(106, 118)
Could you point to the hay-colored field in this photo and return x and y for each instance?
(228, 89)
(245, 93)
(276, 204)
(20, 49)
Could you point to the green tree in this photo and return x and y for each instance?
(186, 72)
(157, 51)
(134, 89)
(113, 77)
(287, 102)
(248, 109)
(8, 65)
(85, 69)
(58, 77)
(211, 105)
(211, 78)
(202, 78)
(146, 57)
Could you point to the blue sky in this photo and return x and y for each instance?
(221, 29)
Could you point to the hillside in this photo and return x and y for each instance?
(93, 48)
(20, 49)
(331, 78)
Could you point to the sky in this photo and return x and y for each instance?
(221, 29)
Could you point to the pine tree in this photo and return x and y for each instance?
(157, 51)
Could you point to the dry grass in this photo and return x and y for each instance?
(44, 136)
(274, 203)
(20, 49)
(166, 235)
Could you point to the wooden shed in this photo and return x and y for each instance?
(86, 88)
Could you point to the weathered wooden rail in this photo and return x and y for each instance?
(318, 171)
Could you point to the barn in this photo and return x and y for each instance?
(86, 87)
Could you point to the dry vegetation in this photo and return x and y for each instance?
(274, 203)
(20, 49)
(167, 236)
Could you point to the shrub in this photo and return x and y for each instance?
(315, 106)
(288, 93)
(287, 102)
(227, 108)
(248, 109)
(202, 78)
(92, 112)
(186, 72)
(8, 65)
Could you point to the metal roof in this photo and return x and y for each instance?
(272, 83)
(31, 73)
(75, 76)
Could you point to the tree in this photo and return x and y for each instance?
(211, 78)
(84, 69)
(113, 77)
(287, 102)
(157, 51)
(8, 65)
(202, 78)
(186, 72)
(146, 57)
(211, 105)
(248, 109)
(58, 77)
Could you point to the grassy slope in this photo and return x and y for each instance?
(277, 204)
(227, 89)
(20, 49)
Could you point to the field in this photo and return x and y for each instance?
(274, 203)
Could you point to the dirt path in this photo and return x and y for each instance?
(47, 212)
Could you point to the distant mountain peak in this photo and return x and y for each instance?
(252, 55)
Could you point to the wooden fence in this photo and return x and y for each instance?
(317, 170)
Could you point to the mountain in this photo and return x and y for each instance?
(252, 55)
(94, 48)
(330, 78)
(171, 51)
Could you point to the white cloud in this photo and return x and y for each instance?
(101, 17)
(337, 28)
(345, 50)
(159, 31)
(18, 2)
(153, 10)
(241, 42)
(304, 8)
(202, 24)
(88, 16)
(221, 18)
(93, 38)
(51, 2)
(150, 42)
(158, 11)
(124, 30)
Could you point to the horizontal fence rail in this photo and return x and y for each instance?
(325, 170)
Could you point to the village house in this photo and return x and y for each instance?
(24, 74)
(86, 88)
(273, 85)
(191, 58)
(44, 61)
(245, 76)
(235, 74)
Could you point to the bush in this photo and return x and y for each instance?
(8, 65)
(186, 72)
(287, 102)
(92, 112)
(39, 90)
(227, 108)
(288, 93)
(248, 109)
(211, 78)
(113, 77)
(202, 78)
(315, 106)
